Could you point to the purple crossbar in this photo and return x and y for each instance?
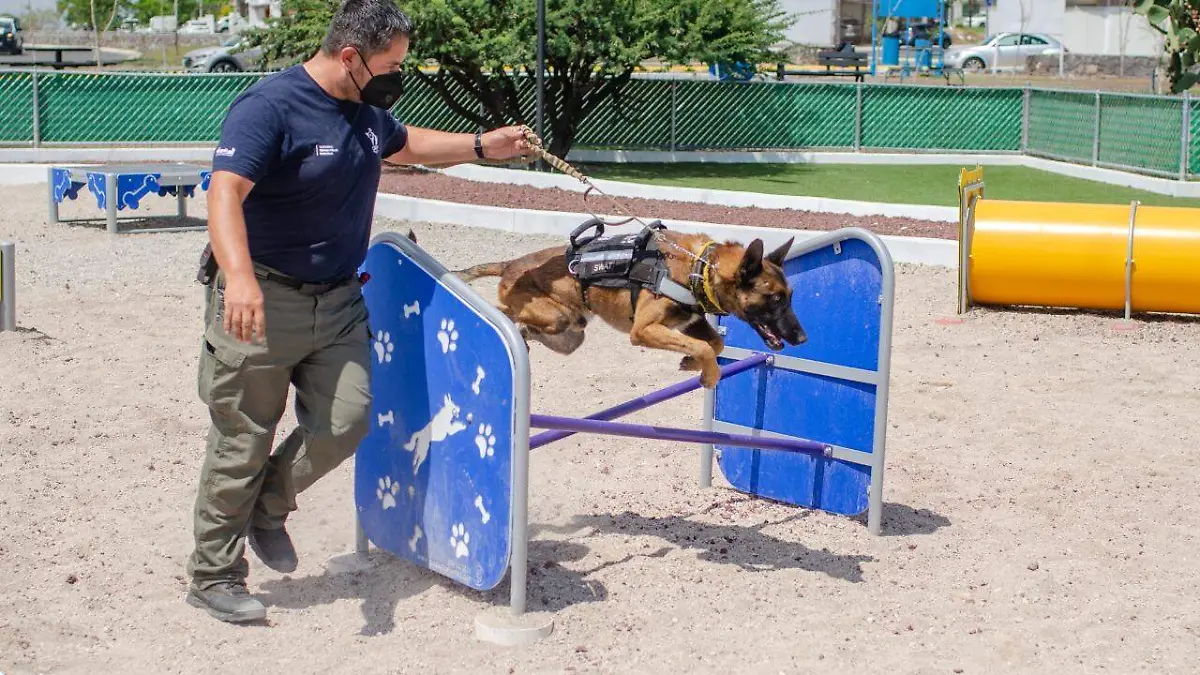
(672, 434)
(653, 398)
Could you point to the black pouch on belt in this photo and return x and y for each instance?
(208, 266)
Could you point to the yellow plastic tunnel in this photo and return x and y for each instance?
(1088, 256)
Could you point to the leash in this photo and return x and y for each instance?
(535, 144)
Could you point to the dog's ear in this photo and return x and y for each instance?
(751, 265)
(777, 256)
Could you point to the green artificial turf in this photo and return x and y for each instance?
(935, 185)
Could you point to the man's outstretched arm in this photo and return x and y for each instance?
(431, 147)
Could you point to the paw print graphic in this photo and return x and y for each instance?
(448, 336)
(485, 441)
(459, 539)
(384, 347)
(387, 492)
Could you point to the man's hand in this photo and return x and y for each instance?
(244, 317)
(505, 143)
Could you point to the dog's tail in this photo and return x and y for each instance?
(485, 270)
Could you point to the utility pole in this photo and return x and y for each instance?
(541, 75)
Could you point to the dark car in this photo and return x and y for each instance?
(11, 40)
(925, 31)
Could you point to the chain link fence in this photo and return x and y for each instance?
(1142, 133)
(16, 108)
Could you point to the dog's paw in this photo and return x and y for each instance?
(689, 363)
(710, 378)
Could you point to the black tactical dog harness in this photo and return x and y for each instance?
(631, 261)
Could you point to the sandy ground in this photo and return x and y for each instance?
(1040, 489)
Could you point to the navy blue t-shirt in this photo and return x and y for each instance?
(315, 162)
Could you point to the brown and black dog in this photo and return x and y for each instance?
(546, 302)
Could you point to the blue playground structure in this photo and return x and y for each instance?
(893, 26)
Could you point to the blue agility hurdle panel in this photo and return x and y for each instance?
(441, 479)
(832, 389)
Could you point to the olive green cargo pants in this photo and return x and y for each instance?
(317, 340)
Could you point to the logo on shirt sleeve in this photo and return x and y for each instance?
(374, 140)
(225, 152)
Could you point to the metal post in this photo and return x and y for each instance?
(37, 113)
(1025, 112)
(1185, 146)
(858, 117)
(674, 110)
(8, 286)
(1096, 135)
(53, 204)
(181, 200)
(110, 201)
(362, 545)
(1133, 207)
(541, 75)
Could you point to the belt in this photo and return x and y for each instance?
(299, 285)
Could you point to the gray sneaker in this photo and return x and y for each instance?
(228, 601)
(274, 548)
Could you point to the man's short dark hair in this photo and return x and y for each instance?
(369, 25)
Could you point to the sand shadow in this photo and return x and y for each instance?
(901, 520)
(141, 225)
(380, 588)
(748, 548)
(551, 586)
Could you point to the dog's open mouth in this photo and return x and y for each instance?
(773, 341)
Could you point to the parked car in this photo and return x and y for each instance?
(11, 40)
(1004, 51)
(229, 57)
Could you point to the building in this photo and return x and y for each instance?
(258, 11)
(1092, 27)
(826, 23)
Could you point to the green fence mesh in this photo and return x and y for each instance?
(104, 108)
(1141, 132)
(763, 116)
(16, 108)
(1062, 125)
(942, 118)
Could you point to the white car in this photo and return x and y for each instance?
(224, 59)
(1004, 51)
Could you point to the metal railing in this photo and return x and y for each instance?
(1157, 135)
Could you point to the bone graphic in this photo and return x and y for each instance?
(390, 418)
(414, 308)
(479, 375)
(412, 543)
(482, 511)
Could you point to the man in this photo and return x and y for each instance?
(291, 203)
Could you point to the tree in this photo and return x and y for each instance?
(485, 51)
(1182, 43)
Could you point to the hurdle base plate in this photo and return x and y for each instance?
(500, 626)
(349, 563)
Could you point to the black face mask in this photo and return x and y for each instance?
(382, 91)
